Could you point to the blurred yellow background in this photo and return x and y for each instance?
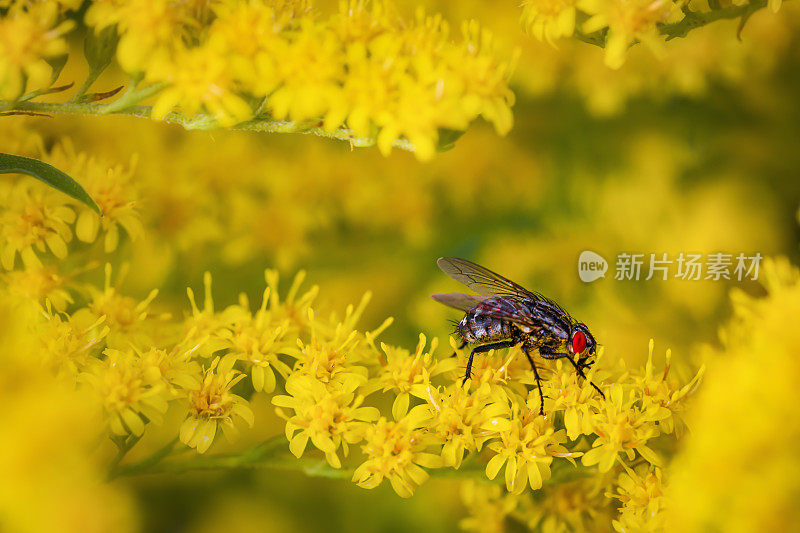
(697, 152)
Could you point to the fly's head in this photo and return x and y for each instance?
(582, 345)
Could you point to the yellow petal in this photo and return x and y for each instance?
(87, 225)
(187, 430)
(511, 473)
(298, 444)
(112, 239)
(494, 465)
(133, 421)
(402, 488)
(269, 381)
(57, 245)
(400, 406)
(258, 377)
(572, 423)
(205, 435)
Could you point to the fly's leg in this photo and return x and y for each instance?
(538, 379)
(486, 348)
(578, 369)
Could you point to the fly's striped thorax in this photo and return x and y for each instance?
(478, 327)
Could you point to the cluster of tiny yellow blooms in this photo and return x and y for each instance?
(53, 477)
(624, 22)
(753, 377)
(327, 379)
(720, 53)
(36, 221)
(272, 208)
(324, 376)
(31, 33)
(706, 486)
(692, 66)
(364, 67)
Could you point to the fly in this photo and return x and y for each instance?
(504, 314)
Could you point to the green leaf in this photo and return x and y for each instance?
(15, 164)
(57, 64)
(99, 47)
(447, 139)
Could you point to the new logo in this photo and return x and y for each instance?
(591, 266)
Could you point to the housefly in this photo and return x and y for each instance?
(504, 314)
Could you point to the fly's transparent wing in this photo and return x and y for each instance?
(456, 300)
(484, 281)
(480, 279)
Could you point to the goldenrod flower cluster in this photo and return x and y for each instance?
(388, 413)
(31, 34)
(618, 24)
(706, 486)
(227, 62)
(752, 377)
(249, 203)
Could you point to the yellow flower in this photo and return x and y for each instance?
(250, 32)
(109, 186)
(309, 70)
(199, 77)
(738, 469)
(331, 419)
(549, 19)
(212, 406)
(462, 421)
(629, 21)
(568, 506)
(296, 305)
(176, 367)
(623, 426)
(132, 394)
(34, 219)
(256, 339)
(526, 448)
(364, 68)
(573, 395)
(488, 505)
(363, 349)
(53, 476)
(485, 78)
(30, 33)
(407, 374)
(67, 344)
(396, 451)
(503, 371)
(206, 323)
(126, 318)
(40, 284)
(147, 28)
(642, 496)
(331, 361)
(657, 391)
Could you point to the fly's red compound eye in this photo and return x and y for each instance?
(578, 342)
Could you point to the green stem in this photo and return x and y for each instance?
(200, 121)
(123, 447)
(131, 97)
(691, 20)
(273, 454)
(694, 20)
(151, 461)
(90, 79)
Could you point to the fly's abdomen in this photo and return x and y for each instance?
(481, 328)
